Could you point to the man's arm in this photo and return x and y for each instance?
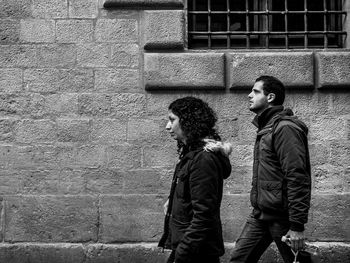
(291, 146)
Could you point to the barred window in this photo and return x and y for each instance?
(218, 24)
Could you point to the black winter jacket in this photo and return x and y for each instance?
(194, 204)
(281, 186)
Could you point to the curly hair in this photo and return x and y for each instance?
(197, 121)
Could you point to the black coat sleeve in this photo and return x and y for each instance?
(291, 146)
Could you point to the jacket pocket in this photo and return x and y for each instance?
(270, 196)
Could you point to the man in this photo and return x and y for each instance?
(281, 185)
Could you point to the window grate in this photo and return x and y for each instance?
(217, 24)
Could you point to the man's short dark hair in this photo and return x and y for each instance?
(275, 86)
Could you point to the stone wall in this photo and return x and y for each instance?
(85, 160)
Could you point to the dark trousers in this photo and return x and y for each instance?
(256, 237)
(199, 259)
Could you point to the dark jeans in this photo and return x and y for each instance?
(256, 237)
(199, 259)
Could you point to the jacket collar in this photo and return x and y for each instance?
(264, 117)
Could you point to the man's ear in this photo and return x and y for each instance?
(271, 97)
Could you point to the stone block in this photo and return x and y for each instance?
(50, 9)
(83, 8)
(125, 55)
(240, 180)
(116, 30)
(147, 181)
(234, 213)
(32, 157)
(125, 253)
(146, 130)
(9, 183)
(143, 4)
(5, 154)
(94, 104)
(103, 181)
(15, 9)
(123, 156)
(325, 128)
(159, 155)
(37, 31)
(64, 104)
(93, 55)
(7, 129)
(340, 103)
(242, 154)
(329, 218)
(18, 56)
(108, 131)
(117, 80)
(244, 68)
(34, 131)
(41, 253)
(184, 71)
(40, 182)
(51, 219)
(73, 130)
(319, 153)
(333, 69)
(72, 182)
(74, 31)
(330, 179)
(82, 156)
(61, 55)
(42, 80)
(164, 29)
(128, 105)
(340, 153)
(304, 104)
(228, 128)
(9, 31)
(10, 80)
(131, 218)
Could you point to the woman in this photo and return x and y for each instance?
(192, 224)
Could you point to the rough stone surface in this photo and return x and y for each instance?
(37, 31)
(46, 9)
(142, 3)
(333, 69)
(50, 219)
(83, 8)
(293, 69)
(9, 31)
(10, 80)
(74, 31)
(164, 30)
(117, 30)
(121, 220)
(184, 71)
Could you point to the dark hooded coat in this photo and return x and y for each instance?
(193, 224)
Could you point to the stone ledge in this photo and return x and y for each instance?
(164, 29)
(139, 252)
(184, 71)
(294, 69)
(143, 4)
(333, 69)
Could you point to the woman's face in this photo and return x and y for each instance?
(174, 128)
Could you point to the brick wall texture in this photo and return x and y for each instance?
(85, 161)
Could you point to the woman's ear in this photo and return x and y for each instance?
(271, 97)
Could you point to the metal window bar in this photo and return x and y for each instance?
(262, 27)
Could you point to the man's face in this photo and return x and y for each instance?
(258, 101)
(174, 128)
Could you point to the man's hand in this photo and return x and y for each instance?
(296, 240)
